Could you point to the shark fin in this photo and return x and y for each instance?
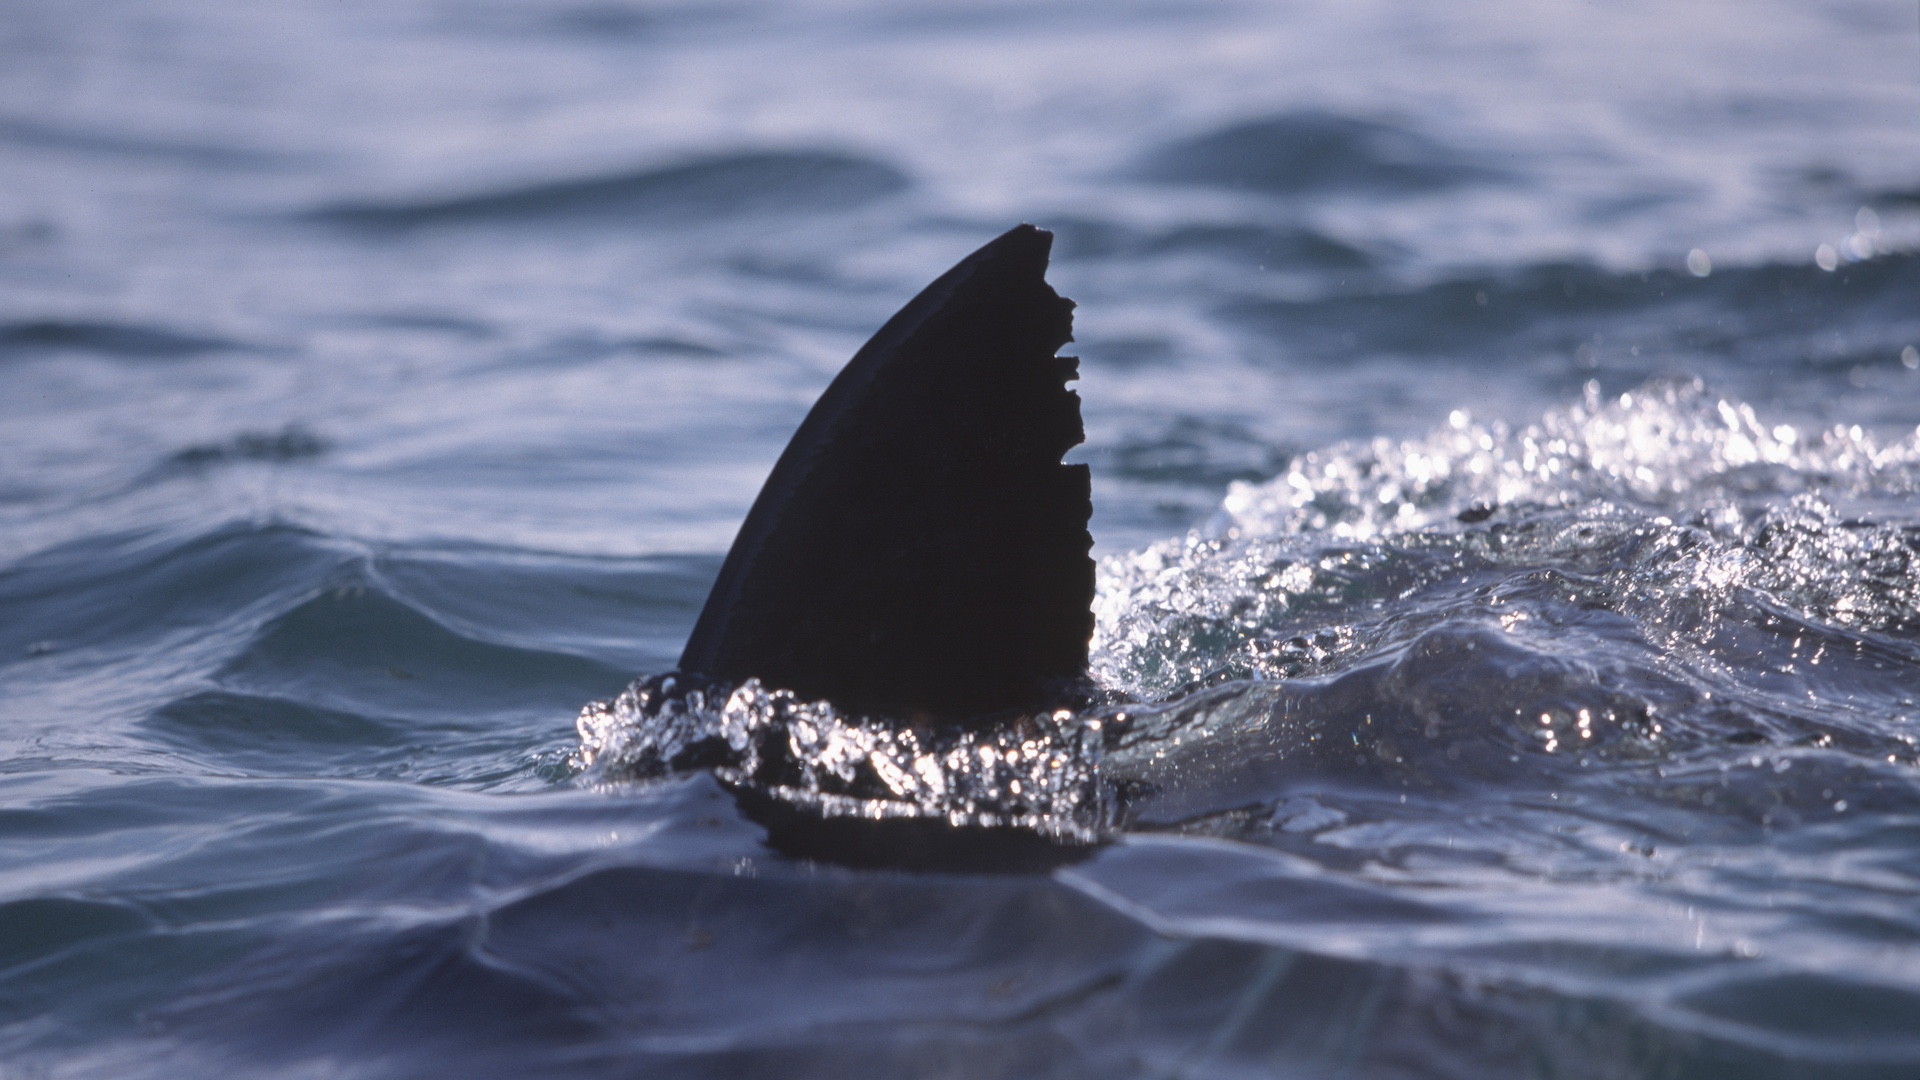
(920, 550)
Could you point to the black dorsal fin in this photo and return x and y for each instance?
(919, 548)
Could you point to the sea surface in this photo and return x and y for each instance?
(1503, 423)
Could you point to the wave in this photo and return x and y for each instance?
(1268, 246)
(1666, 491)
(1453, 976)
(36, 928)
(1455, 745)
(1120, 966)
(1197, 452)
(1312, 151)
(353, 646)
(290, 652)
(111, 338)
(674, 971)
(262, 735)
(1763, 313)
(767, 181)
(24, 132)
(291, 443)
(125, 591)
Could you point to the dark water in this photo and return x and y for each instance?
(1538, 693)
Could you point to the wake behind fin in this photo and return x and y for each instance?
(919, 549)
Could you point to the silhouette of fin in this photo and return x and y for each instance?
(919, 549)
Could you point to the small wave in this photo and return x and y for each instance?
(126, 590)
(607, 23)
(1766, 313)
(486, 967)
(1269, 246)
(24, 132)
(1831, 1016)
(115, 339)
(1634, 584)
(1324, 956)
(260, 735)
(1191, 451)
(354, 647)
(615, 21)
(768, 181)
(426, 322)
(1312, 151)
(291, 443)
(1669, 445)
(1666, 490)
(253, 724)
(35, 928)
(311, 655)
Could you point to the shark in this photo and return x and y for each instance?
(920, 550)
(891, 667)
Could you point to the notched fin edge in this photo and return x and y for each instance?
(920, 550)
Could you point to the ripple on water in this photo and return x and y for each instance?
(761, 181)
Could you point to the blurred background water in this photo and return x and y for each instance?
(379, 383)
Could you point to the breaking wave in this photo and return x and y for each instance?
(1643, 583)
(1665, 494)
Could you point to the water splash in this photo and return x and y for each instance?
(1668, 446)
(1038, 773)
(1672, 500)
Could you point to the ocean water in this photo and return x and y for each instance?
(1505, 431)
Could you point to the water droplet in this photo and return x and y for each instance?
(1825, 257)
(1698, 264)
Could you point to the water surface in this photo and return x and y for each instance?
(1503, 426)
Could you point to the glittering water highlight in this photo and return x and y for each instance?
(1035, 772)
